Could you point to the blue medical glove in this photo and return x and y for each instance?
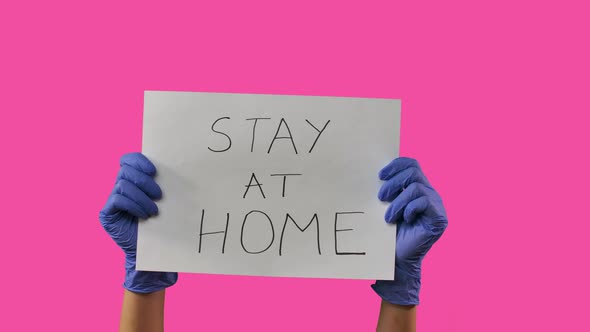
(421, 219)
(132, 198)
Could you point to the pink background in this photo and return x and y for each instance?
(494, 105)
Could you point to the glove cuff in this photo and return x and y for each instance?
(148, 281)
(404, 290)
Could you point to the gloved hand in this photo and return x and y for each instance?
(132, 199)
(421, 219)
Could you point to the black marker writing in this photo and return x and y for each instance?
(317, 223)
(284, 180)
(224, 134)
(336, 230)
(244, 225)
(254, 130)
(258, 184)
(282, 137)
(210, 233)
(319, 133)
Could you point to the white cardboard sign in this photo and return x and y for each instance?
(269, 185)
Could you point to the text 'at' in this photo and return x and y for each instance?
(283, 132)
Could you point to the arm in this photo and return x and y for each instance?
(133, 198)
(418, 211)
(396, 318)
(142, 312)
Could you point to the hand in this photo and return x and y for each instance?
(132, 198)
(421, 219)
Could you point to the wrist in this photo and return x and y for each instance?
(404, 290)
(146, 281)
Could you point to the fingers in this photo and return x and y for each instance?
(406, 187)
(395, 211)
(141, 180)
(397, 165)
(139, 162)
(118, 202)
(129, 190)
(416, 208)
(135, 189)
(394, 186)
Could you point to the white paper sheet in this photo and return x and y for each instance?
(337, 182)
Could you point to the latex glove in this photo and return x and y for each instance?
(421, 219)
(132, 198)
